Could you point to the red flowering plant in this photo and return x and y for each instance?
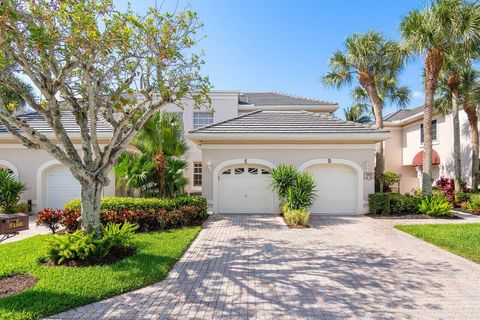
(447, 187)
(49, 218)
(71, 219)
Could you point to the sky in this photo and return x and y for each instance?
(284, 45)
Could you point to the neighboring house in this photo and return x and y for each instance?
(234, 145)
(404, 150)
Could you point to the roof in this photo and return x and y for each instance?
(402, 114)
(37, 122)
(285, 123)
(277, 98)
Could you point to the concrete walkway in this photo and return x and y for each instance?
(254, 267)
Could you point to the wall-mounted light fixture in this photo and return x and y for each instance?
(209, 165)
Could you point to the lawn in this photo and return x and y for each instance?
(461, 239)
(63, 288)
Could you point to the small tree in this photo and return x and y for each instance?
(10, 190)
(101, 64)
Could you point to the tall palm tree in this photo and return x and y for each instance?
(433, 32)
(375, 62)
(356, 113)
(154, 167)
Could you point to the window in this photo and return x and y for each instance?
(239, 170)
(201, 119)
(434, 131)
(229, 171)
(252, 170)
(197, 174)
(265, 171)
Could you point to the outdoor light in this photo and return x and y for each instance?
(209, 165)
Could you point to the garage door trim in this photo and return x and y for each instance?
(346, 162)
(220, 166)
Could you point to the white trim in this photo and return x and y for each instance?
(231, 162)
(288, 146)
(40, 183)
(346, 162)
(11, 166)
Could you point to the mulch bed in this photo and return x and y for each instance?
(16, 284)
(116, 254)
(406, 216)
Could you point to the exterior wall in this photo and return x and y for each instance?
(28, 162)
(405, 144)
(224, 106)
(279, 154)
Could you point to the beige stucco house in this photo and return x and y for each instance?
(234, 145)
(403, 151)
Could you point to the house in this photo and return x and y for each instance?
(234, 145)
(404, 150)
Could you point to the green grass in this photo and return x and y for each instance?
(63, 288)
(461, 239)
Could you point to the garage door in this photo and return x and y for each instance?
(337, 191)
(61, 187)
(245, 189)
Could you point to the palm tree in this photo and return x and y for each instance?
(156, 164)
(376, 63)
(435, 31)
(357, 114)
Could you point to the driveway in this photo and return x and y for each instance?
(342, 267)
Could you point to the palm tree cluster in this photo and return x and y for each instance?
(445, 35)
(155, 166)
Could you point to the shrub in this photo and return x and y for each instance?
(297, 217)
(461, 196)
(403, 203)
(283, 177)
(447, 188)
(301, 194)
(436, 206)
(20, 207)
(390, 178)
(379, 203)
(10, 190)
(474, 204)
(70, 219)
(49, 218)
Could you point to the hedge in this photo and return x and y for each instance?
(388, 203)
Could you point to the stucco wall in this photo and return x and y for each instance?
(281, 154)
(28, 162)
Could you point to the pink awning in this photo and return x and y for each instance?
(418, 159)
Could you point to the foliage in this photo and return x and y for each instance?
(283, 177)
(461, 239)
(436, 206)
(49, 218)
(357, 114)
(447, 188)
(60, 289)
(379, 203)
(390, 178)
(297, 217)
(301, 194)
(20, 207)
(393, 203)
(70, 219)
(156, 167)
(474, 203)
(461, 196)
(10, 190)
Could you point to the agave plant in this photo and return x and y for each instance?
(10, 190)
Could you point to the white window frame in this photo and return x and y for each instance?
(202, 118)
(197, 174)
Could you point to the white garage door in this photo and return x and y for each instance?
(245, 189)
(61, 187)
(337, 191)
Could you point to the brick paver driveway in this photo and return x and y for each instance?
(342, 267)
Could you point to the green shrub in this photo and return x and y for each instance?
(461, 196)
(389, 179)
(379, 203)
(10, 190)
(436, 206)
(20, 207)
(400, 203)
(301, 194)
(297, 217)
(283, 177)
(474, 203)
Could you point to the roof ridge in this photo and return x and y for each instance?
(302, 97)
(225, 121)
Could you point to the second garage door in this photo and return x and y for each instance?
(245, 189)
(337, 191)
(61, 187)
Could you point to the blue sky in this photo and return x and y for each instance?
(268, 45)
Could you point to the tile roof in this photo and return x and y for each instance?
(277, 98)
(37, 122)
(402, 114)
(285, 122)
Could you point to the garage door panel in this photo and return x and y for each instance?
(245, 190)
(336, 189)
(60, 187)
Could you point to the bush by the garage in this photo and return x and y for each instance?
(379, 203)
(393, 203)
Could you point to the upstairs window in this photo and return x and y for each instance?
(201, 119)
(434, 131)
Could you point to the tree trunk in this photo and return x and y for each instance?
(453, 83)
(367, 81)
(91, 197)
(433, 64)
(161, 169)
(473, 122)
